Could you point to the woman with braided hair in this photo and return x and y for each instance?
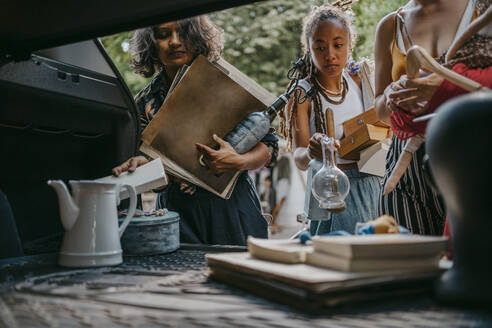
(327, 40)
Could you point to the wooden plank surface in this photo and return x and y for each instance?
(182, 275)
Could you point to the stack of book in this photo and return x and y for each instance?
(334, 270)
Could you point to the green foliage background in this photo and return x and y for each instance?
(262, 39)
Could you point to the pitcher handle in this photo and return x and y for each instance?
(131, 209)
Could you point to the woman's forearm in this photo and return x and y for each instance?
(255, 158)
(383, 64)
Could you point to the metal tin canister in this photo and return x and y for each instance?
(151, 235)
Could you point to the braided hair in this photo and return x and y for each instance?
(335, 11)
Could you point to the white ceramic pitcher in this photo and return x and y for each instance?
(90, 219)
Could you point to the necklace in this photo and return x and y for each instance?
(343, 93)
(332, 93)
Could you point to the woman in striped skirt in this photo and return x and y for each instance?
(434, 25)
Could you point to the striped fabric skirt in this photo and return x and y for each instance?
(413, 202)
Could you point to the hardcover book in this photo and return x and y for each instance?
(146, 177)
(380, 246)
(279, 250)
(210, 98)
(346, 264)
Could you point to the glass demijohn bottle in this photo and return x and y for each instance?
(330, 185)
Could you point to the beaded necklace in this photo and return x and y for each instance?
(327, 93)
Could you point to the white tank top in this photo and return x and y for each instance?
(351, 106)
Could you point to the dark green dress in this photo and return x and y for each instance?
(205, 217)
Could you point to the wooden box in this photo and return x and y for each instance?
(367, 135)
(355, 123)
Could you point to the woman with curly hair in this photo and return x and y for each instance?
(205, 217)
(327, 40)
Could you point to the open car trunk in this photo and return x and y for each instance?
(65, 114)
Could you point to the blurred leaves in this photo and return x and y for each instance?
(117, 47)
(262, 39)
(367, 14)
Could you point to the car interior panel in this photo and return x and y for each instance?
(59, 121)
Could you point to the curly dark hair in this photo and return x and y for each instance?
(199, 35)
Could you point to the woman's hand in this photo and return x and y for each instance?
(130, 165)
(222, 160)
(390, 101)
(413, 95)
(314, 148)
